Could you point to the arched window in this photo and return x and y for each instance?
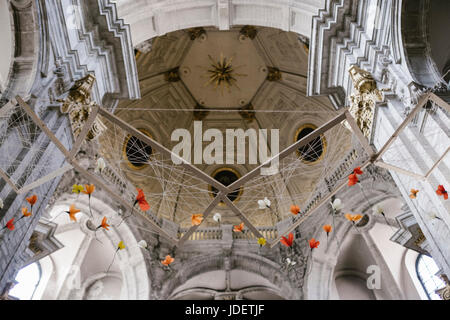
(426, 272)
(28, 279)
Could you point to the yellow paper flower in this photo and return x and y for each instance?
(262, 241)
(121, 246)
(77, 188)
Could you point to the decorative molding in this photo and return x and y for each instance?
(444, 293)
(363, 100)
(79, 106)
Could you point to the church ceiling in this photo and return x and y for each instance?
(244, 78)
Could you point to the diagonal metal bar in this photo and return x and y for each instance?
(84, 132)
(321, 202)
(388, 166)
(283, 154)
(200, 174)
(359, 135)
(423, 100)
(243, 217)
(206, 213)
(42, 126)
(95, 180)
(89, 176)
(437, 163)
(45, 179)
(5, 177)
(439, 101)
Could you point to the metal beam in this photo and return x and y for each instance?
(45, 179)
(388, 166)
(283, 154)
(95, 180)
(437, 163)
(206, 213)
(133, 131)
(321, 202)
(243, 217)
(43, 127)
(84, 132)
(439, 101)
(8, 181)
(423, 100)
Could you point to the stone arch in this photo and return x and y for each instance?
(322, 265)
(419, 19)
(129, 267)
(26, 48)
(149, 19)
(253, 264)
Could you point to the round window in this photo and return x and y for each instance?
(226, 176)
(314, 150)
(137, 152)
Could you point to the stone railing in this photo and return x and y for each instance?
(269, 233)
(343, 170)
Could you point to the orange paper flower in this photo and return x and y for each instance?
(32, 200)
(327, 228)
(295, 209)
(25, 212)
(357, 170)
(288, 241)
(313, 243)
(10, 224)
(414, 193)
(442, 192)
(352, 179)
(197, 219)
(89, 189)
(72, 212)
(239, 228)
(140, 198)
(104, 225)
(353, 217)
(168, 261)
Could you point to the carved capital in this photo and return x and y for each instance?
(364, 99)
(79, 106)
(444, 293)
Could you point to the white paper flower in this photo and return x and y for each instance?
(264, 204)
(433, 215)
(101, 164)
(378, 209)
(217, 217)
(289, 262)
(337, 205)
(1, 203)
(142, 244)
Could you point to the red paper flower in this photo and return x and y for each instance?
(10, 224)
(288, 241)
(442, 192)
(140, 198)
(313, 243)
(352, 179)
